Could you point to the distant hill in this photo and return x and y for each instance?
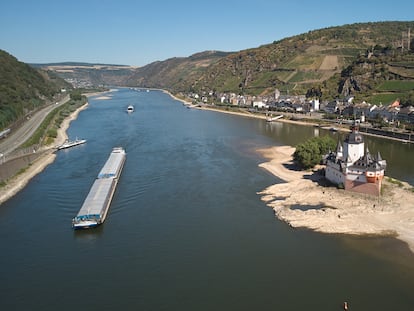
(76, 64)
(333, 62)
(86, 75)
(320, 60)
(175, 73)
(178, 73)
(23, 88)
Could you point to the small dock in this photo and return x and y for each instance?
(96, 205)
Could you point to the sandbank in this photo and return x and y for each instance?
(102, 95)
(185, 102)
(302, 201)
(18, 182)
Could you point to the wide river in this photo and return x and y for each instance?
(187, 229)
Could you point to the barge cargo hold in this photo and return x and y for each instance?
(96, 205)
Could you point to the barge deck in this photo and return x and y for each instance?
(96, 205)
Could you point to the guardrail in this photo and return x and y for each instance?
(14, 165)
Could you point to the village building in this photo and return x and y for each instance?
(314, 105)
(354, 167)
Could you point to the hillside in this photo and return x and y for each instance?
(178, 73)
(85, 75)
(381, 75)
(303, 61)
(329, 60)
(23, 89)
(333, 62)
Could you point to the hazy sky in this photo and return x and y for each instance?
(140, 32)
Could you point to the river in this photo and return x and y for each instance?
(186, 229)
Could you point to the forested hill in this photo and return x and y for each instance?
(23, 89)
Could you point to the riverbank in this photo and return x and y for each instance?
(292, 118)
(101, 95)
(302, 201)
(175, 97)
(18, 182)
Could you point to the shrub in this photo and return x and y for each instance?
(310, 153)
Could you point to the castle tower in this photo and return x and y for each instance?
(353, 146)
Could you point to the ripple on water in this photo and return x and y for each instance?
(134, 187)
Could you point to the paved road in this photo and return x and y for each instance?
(17, 137)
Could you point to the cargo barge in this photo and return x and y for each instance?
(96, 205)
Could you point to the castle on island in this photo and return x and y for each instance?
(353, 167)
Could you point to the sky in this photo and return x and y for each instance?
(140, 32)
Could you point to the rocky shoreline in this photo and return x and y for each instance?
(303, 200)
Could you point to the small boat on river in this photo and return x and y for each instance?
(130, 109)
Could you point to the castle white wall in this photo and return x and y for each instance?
(353, 151)
(333, 174)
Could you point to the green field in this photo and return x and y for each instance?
(402, 64)
(396, 86)
(301, 76)
(384, 99)
(305, 62)
(283, 75)
(349, 51)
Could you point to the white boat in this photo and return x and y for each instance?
(71, 143)
(130, 109)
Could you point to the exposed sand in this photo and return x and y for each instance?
(334, 210)
(185, 102)
(17, 183)
(103, 97)
(330, 62)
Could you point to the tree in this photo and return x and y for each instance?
(76, 95)
(408, 99)
(310, 153)
(314, 92)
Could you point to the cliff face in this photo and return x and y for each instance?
(348, 86)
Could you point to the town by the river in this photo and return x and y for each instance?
(187, 229)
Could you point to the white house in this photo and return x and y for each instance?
(259, 104)
(315, 105)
